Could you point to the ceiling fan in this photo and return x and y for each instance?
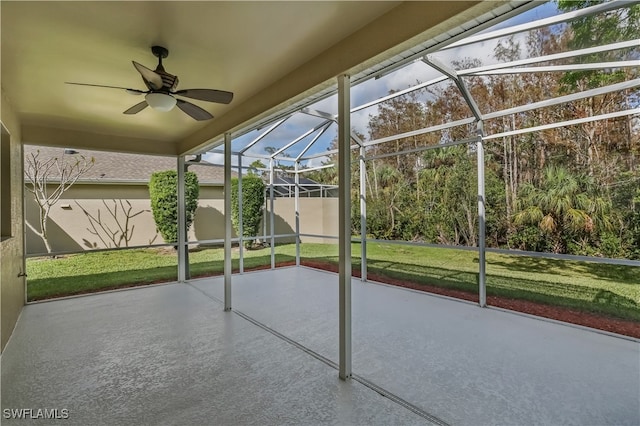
(162, 91)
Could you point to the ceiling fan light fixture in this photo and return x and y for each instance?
(160, 101)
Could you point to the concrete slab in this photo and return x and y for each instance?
(461, 363)
(170, 355)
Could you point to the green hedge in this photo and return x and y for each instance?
(252, 205)
(163, 190)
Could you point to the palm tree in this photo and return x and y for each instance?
(565, 207)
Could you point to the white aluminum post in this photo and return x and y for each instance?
(240, 220)
(363, 215)
(272, 215)
(344, 231)
(482, 285)
(264, 219)
(297, 207)
(183, 266)
(227, 221)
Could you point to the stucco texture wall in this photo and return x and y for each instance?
(70, 229)
(12, 285)
(318, 216)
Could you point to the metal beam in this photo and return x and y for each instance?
(445, 39)
(422, 148)
(554, 57)
(421, 131)
(564, 99)
(400, 136)
(357, 139)
(482, 259)
(272, 214)
(398, 93)
(310, 169)
(262, 135)
(227, 221)
(320, 114)
(560, 68)
(183, 261)
(313, 141)
(587, 11)
(451, 73)
(240, 218)
(299, 138)
(363, 215)
(564, 123)
(297, 209)
(344, 219)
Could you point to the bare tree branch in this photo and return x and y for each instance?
(41, 174)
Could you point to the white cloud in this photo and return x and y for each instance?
(218, 158)
(315, 162)
(373, 89)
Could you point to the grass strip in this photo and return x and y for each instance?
(612, 290)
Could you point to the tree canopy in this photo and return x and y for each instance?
(574, 189)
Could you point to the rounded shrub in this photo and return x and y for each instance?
(252, 206)
(163, 191)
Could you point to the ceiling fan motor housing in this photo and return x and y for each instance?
(169, 81)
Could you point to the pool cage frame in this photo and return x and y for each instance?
(349, 142)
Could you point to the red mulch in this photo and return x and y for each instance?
(600, 322)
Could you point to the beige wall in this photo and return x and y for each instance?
(12, 249)
(318, 216)
(70, 229)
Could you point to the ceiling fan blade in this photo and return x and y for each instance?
(209, 95)
(136, 108)
(152, 79)
(193, 111)
(128, 90)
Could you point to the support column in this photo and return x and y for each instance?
(344, 218)
(272, 219)
(227, 221)
(183, 259)
(297, 207)
(264, 219)
(363, 215)
(240, 220)
(482, 285)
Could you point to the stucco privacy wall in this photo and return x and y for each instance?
(318, 216)
(71, 230)
(12, 249)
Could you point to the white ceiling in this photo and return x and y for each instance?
(265, 52)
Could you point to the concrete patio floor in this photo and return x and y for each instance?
(168, 354)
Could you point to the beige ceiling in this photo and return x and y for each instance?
(267, 53)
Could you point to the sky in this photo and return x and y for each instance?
(371, 90)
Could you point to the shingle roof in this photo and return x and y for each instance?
(119, 167)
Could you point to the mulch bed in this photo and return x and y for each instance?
(600, 322)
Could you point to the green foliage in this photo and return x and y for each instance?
(252, 205)
(163, 191)
(585, 205)
(568, 211)
(614, 26)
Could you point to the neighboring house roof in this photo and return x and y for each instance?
(122, 168)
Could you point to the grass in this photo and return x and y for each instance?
(612, 290)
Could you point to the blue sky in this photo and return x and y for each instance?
(374, 89)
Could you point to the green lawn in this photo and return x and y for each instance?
(608, 289)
